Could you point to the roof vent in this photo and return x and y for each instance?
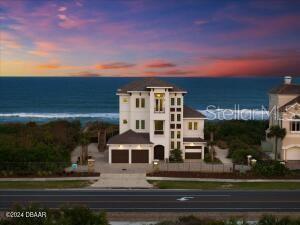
(287, 80)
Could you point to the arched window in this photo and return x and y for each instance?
(295, 124)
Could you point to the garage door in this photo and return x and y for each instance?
(293, 153)
(120, 156)
(140, 156)
(193, 155)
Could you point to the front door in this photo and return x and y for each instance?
(159, 152)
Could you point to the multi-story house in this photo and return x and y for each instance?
(284, 107)
(153, 121)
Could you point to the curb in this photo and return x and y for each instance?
(221, 180)
(49, 179)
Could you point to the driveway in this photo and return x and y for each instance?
(222, 155)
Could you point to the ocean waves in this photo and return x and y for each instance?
(216, 114)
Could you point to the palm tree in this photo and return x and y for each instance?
(211, 128)
(278, 133)
(84, 140)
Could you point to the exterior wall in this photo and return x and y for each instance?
(129, 112)
(193, 133)
(292, 137)
(130, 148)
(159, 139)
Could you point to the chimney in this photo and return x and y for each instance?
(287, 80)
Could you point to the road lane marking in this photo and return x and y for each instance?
(182, 199)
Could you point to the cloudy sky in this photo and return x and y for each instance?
(149, 38)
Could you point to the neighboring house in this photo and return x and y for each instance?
(284, 107)
(153, 121)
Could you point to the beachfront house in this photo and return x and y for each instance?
(284, 107)
(153, 121)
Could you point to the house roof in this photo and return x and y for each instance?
(290, 103)
(193, 139)
(143, 84)
(130, 137)
(286, 89)
(191, 113)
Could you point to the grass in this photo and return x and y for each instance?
(43, 184)
(226, 185)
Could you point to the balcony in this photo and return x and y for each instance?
(159, 110)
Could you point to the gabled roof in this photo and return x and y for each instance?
(286, 89)
(130, 137)
(191, 113)
(193, 139)
(290, 103)
(141, 84)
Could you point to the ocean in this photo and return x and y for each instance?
(41, 99)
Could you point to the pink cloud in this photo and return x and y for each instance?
(115, 65)
(62, 9)
(160, 64)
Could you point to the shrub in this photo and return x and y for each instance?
(207, 159)
(239, 156)
(176, 155)
(270, 168)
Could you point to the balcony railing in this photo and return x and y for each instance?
(158, 110)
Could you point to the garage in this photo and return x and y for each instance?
(293, 153)
(193, 155)
(120, 156)
(140, 156)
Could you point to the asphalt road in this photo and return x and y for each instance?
(158, 200)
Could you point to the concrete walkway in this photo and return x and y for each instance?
(222, 155)
(122, 180)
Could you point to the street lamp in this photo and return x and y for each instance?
(253, 161)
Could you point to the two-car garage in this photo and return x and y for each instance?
(123, 156)
(292, 154)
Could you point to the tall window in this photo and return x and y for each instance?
(178, 134)
(143, 124)
(172, 145)
(142, 102)
(178, 101)
(137, 103)
(190, 125)
(137, 124)
(178, 117)
(178, 144)
(172, 134)
(172, 117)
(195, 126)
(295, 124)
(159, 102)
(172, 101)
(158, 127)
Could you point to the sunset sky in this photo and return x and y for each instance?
(149, 38)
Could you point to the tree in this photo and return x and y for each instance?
(278, 133)
(176, 155)
(211, 128)
(84, 140)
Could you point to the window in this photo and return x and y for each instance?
(178, 144)
(137, 124)
(125, 121)
(172, 109)
(158, 127)
(172, 145)
(172, 134)
(159, 102)
(190, 125)
(172, 117)
(178, 117)
(178, 101)
(172, 126)
(137, 103)
(143, 124)
(125, 100)
(295, 124)
(142, 102)
(178, 126)
(178, 110)
(172, 101)
(178, 134)
(195, 126)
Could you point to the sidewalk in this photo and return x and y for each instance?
(122, 180)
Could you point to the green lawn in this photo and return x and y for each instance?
(43, 184)
(226, 185)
